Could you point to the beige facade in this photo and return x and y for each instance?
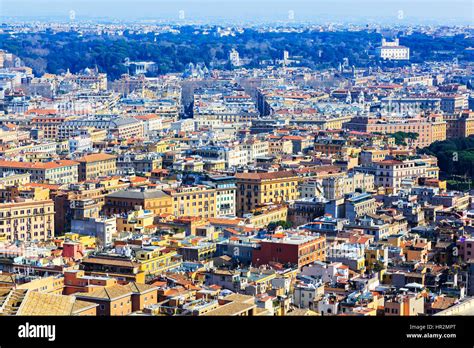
(95, 165)
(429, 129)
(54, 172)
(460, 125)
(257, 189)
(26, 221)
(194, 201)
(278, 147)
(337, 186)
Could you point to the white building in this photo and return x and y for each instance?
(256, 148)
(102, 228)
(305, 294)
(80, 144)
(392, 50)
(234, 58)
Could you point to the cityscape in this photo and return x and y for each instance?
(186, 167)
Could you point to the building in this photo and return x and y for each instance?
(193, 201)
(257, 189)
(121, 128)
(404, 305)
(459, 125)
(358, 205)
(124, 201)
(234, 58)
(336, 186)
(352, 206)
(279, 147)
(49, 125)
(96, 165)
(13, 179)
(255, 148)
(225, 195)
(54, 172)
(27, 221)
(391, 173)
(102, 228)
(136, 221)
(299, 250)
(121, 299)
(428, 129)
(392, 50)
(123, 268)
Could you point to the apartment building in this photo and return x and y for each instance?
(49, 125)
(13, 179)
(96, 165)
(391, 173)
(404, 305)
(296, 249)
(358, 205)
(194, 201)
(225, 196)
(54, 172)
(279, 146)
(459, 125)
(121, 299)
(255, 148)
(27, 221)
(257, 189)
(429, 129)
(336, 186)
(124, 201)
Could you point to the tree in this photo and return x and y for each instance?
(272, 226)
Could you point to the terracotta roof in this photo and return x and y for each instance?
(443, 302)
(37, 303)
(41, 111)
(107, 293)
(37, 165)
(232, 308)
(82, 305)
(96, 157)
(147, 117)
(265, 176)
(48, 186)
(113, 262)
(141, 288)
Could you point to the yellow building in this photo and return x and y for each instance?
(124, 201)
(157, 261)
(36, 193)
(86, 241)
(438, 129)
(135, 221)
(27, 220)
(214, 166)
(96, 135)
(460, 125)
(51, 284)
(194, 201)
(95, 165)
(376, 257)
(15, 179)
(265, 215)
(257, 189)
(160, 147)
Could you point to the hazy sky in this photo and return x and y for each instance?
(393, 11)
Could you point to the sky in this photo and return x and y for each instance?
(317, 11)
